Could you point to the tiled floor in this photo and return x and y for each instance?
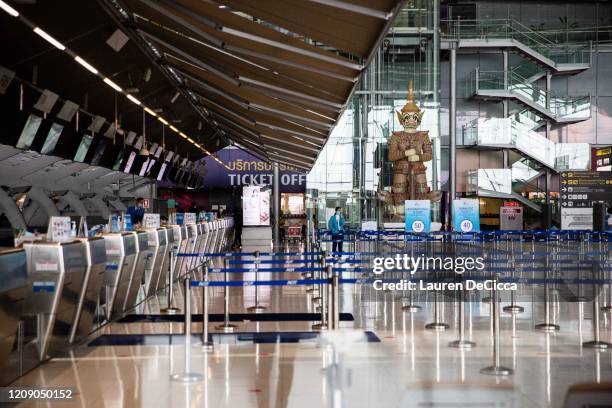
(411, 367)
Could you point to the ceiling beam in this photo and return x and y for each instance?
(355, 8)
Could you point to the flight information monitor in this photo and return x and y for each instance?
(29, 132)
(52, 138)
(83, 148)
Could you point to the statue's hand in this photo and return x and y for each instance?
(414, 158)
(410, 152)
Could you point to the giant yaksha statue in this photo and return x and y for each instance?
(408, 150)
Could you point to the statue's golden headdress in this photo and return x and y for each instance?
(410, 108)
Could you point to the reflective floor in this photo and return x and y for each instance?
(409, 367)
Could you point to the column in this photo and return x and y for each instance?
(452, 127)
(276, 202)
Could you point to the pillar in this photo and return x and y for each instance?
(276, 202)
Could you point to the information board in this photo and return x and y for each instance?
(579, 189)
(417, 215)
(466, 215)
(511, 218)
(576, 218)
(601, 158)
(150, 220)
(59, 229)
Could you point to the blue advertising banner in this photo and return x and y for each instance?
(466, 215)
(418, 215)
(246, 169)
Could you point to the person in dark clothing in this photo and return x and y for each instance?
(137, 211)
(238, 227)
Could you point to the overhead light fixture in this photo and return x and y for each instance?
(150, 112)
(86, 65)
(50, 39)
(175, 97)
(162, 120)
(174, 129)
(184, 136)
(113, 85)
(144, 151)
(131, 98)
(9, 9)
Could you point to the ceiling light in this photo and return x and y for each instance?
(183, 135)
(190, 140)
(175, 97)
(9, 9)
(173, 128)
(199, 125)
(150, 112)
(113, 85)
(162, 120)
(50, 39)
(86, 64)
(144, 151)
(131, 98)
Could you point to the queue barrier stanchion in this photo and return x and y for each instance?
(187, 376)
(257, 308)
(437, 324)
(206, 344)
(496, 369)
(547, 326)
(335, 299)
(170, 309)
(596, 343)
(226, 327)
(324, 324)
(462, 343)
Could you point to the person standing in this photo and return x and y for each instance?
(137, 212)
(336, 227)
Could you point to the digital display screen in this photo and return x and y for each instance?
(143, 169)
(129, 163)
(162, 171)
(150, 167)
(100, 149)
(83, 148)
(52, 138)
(29, 132)
(118, 161)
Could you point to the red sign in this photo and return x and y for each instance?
(145, 203)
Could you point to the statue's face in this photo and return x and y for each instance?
(411, 120)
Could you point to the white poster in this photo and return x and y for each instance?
(151, 220)
(417, 215)
(189, 218)
(59, 229)
(576, 218)
(255, 206)
(511, 218)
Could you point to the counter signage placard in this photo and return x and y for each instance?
(466, 215)
(180, 218)
(151, 220)
(189, 218)
(58, 229)
(417, 215)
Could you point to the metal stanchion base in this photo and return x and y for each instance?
(486, 299)
(437, 326)
(600, 345)
(170, 310)
(226, 328)
(187, 377)
(497, 370)
(256, 309)
(207, 346)
(319, 326)
(462, 344)
(547, 327)
(411, 308)
(513, 309)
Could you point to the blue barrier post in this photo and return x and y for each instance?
(227, 327)
(206, 345)
(187, 376)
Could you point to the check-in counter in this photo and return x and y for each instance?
(173, 245)
(56, 273)
(136, 276)
(120, 259)
(183, 262)
(206, 241)
(214, 226)
(85, 314)
(181, 233)
(13, 289)
(158, 248)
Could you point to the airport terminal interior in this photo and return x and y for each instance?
(306, 203)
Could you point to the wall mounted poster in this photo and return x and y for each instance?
(466, 215)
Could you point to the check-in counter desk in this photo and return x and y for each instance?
(13, 290)
(181, 234)
(192, 261)
(56, 273)
(183, 263)
(158, 249)
(206, 241)
(173, 245)
(214, 230)
(131, 298)
(85, 314)
(121, 251)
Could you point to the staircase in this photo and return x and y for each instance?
(534, 46)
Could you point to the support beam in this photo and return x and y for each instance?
(11, 211)
(452, 127)
(276, 202)
(39, 196)
(354, 8)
